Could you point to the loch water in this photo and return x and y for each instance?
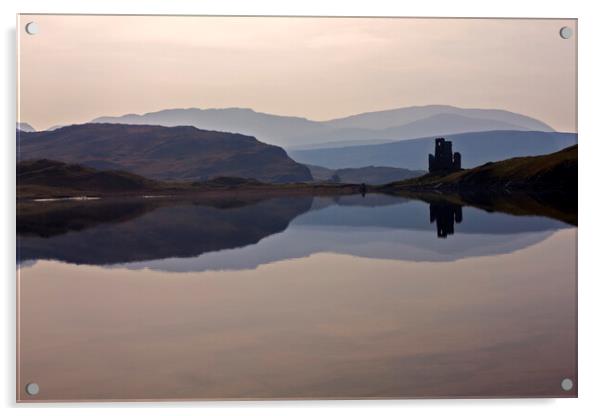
(358, 296)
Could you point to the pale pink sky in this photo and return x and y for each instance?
(81, 67)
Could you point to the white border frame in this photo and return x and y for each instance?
(590, 139)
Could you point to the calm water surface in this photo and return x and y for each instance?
(299, 297)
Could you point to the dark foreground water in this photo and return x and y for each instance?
(297, 297)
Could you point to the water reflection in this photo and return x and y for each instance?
(293, 297)
(445, 215)
(324, 326)
(126, 231)
(238, 233)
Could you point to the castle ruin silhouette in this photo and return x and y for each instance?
(444, 159)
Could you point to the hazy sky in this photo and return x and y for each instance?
(81, 67)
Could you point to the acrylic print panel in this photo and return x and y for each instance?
(296, 208)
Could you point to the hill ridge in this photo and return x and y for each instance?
(164, 153)
(551, 172)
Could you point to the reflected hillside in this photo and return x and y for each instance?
(239, 233)
(60, 217)
(90, 233)
(395, 212)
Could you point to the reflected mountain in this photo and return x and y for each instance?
(241, 232)
(148, 229)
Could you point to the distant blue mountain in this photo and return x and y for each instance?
(476, 148)
(25, 127)
(268, 128)
(296, 132)
(438, 124)
(399, 116)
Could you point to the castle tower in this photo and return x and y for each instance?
(444, 159)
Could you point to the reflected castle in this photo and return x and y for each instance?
(446, 215)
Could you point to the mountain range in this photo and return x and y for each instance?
(165, 153)
(297, 132)
(374, 148)
(476, 148)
